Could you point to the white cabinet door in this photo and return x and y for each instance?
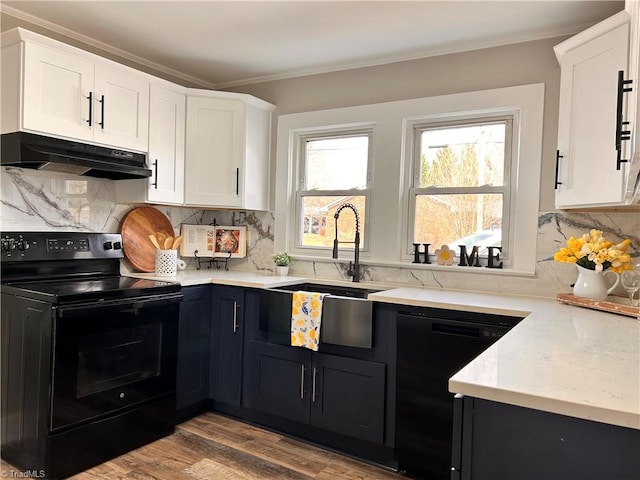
(631, 148)
(121, 110)
(167, 111)
(587, 173)
(214, 164)
(56, 93)
(67, 96)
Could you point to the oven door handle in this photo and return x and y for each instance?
(137, 303)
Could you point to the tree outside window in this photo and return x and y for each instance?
(461, 184)
(334, 171)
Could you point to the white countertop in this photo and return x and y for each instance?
(563, 359)
(238, 278)
(188, 278)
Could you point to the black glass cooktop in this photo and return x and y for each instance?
(87, 289)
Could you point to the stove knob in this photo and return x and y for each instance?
(22, 245)
(107, 245)
(117, 246)
(8, 244)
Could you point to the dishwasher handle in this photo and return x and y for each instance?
(466, 329)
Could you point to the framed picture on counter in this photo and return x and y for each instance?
(230, 240)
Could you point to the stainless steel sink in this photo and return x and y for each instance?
(334, 290)
(347, 315)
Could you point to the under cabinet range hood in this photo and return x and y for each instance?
(28, 150)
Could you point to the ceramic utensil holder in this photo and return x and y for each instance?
(166, 263)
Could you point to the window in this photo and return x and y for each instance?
(334, 170)
(497, 133)
(461, 185)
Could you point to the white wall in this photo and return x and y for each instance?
(519, 64)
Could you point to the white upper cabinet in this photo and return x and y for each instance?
(227, 151)
(122, 114)
(65, 92)
(205, 149)
(167, 116)
(56, 93)
(587, 169)
(631, 148)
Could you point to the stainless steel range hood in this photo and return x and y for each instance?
(28, 150)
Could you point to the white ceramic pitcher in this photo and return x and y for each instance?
(591, 284)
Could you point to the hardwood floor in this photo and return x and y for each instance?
(214, 447)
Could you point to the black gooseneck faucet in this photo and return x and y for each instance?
(354, 268)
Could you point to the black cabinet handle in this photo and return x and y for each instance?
(301, 382)
(619, 159)
(237, 181)
(101, 122)
(235, 317)
(558, 157)
(155, 175)
(622, 133)
(90, 98)
(313, 385)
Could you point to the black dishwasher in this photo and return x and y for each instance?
(432, 346)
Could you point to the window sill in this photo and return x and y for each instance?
(482, 270)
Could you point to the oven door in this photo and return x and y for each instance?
(112, 355)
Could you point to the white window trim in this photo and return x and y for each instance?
(390, 176)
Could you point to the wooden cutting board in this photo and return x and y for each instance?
(135, 228)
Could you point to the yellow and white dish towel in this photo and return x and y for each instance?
(306, 319)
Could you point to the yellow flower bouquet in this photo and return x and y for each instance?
(592, 251)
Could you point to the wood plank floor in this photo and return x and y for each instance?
(214, 447)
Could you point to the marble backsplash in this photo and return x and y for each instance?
(39, 201)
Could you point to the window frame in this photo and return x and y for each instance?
(418, 126)
(390, 178)
(329, 132)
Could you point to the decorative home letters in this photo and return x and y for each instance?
(469, 260)
(417, 253)
(466, 259)
(492, 257)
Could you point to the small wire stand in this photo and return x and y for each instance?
(211, 261)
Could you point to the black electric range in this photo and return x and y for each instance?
(95, 351)
(62, 267)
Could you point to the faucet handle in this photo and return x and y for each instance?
(354, 271)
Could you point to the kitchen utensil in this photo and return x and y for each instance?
(136, 227)
(161, 236)
(154, 240)
(177, 242)
(168, 242)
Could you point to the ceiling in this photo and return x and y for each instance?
(218, 44)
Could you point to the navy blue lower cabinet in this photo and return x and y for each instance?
(494, 440)
(277, 380)
(347, 396)
(334, 393)
(192, 382)
(227, 333)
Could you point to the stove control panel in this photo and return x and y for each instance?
(21, 246)
(112, 245)
(17, 245)
(68, 244)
